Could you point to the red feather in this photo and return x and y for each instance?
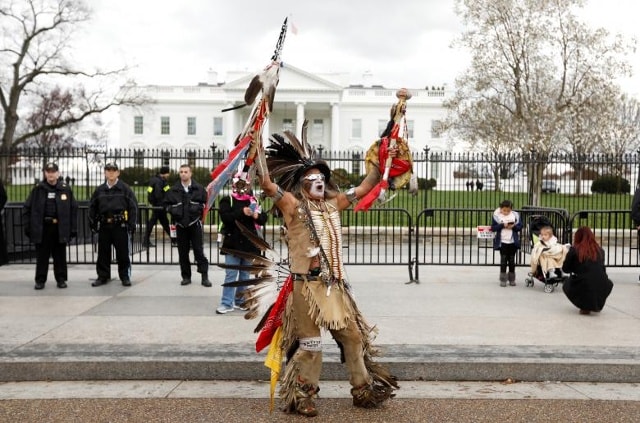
(274, 321)
(365, 202)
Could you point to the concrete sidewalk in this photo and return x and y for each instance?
(456, 325)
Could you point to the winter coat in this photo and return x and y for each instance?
(232, 210)
(588, 286)
(107, 202)
(496, 227)
(185, 207)
(66, 209)
(158, 186)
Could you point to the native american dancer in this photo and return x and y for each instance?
(396, 171)
(317, 295)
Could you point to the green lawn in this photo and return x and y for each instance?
(472, 206)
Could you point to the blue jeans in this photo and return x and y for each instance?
(232, 275)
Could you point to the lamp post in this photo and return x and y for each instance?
(213, 147)
(533, 177)
(426, 150)
(320, 150)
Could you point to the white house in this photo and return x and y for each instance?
(341, 117)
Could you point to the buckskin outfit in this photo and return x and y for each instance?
(321, 297)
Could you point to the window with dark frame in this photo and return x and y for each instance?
(191, 159)
(191, 125)
(166, 157)
(218, 129)
(165, 125)
(138, 158)
(138, 125)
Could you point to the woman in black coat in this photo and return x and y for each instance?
(588, 286)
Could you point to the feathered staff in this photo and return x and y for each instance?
(394, 134)
(250, 137)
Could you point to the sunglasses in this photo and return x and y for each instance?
(314, 177)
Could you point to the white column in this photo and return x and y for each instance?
(335, 127)
(299, 118)
(230, 131)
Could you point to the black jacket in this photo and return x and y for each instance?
(185, 207)
(232, 210)
(588, 286)
(66, 208)
(158, 186)
(109, 202)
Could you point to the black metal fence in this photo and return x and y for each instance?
(461, 179)
(438, 226)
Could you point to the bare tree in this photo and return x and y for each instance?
(488, 127)
(533, 60)
(51, 108)
(37, 36)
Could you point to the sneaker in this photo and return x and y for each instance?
(223, 310)
(240, 307)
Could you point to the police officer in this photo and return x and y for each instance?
(112, 214)
(158, 186)
(50, 218)
(185, 202)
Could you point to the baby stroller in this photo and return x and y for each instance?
(553, 277)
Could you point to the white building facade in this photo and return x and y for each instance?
(341, 117)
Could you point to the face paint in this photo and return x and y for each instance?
(316, 191)
(313, 183)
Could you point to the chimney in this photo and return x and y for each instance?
(367, 77)
(212, 77)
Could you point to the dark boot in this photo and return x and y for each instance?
(205, 280)
(503, 279)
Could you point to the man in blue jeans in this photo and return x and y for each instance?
(242, 207)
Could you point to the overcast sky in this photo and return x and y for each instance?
(402, 42)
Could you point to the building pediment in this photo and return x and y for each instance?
(291, 79)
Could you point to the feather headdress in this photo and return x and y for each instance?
(288, 160)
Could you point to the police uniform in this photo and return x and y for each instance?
(158, 186)
(50, 218)
(112, 214)
(186, 207)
